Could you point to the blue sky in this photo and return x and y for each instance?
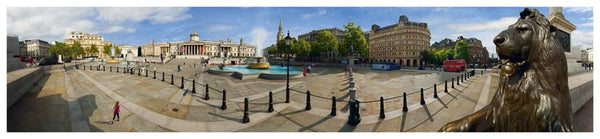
(258, 25)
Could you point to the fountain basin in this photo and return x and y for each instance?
(258, 65)
(112, 61)
(243, 72)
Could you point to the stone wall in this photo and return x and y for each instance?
(580, 94)
(20, 81)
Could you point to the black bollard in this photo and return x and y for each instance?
(206, 92)
(462, 78)
(110, 68)
(154, 75)
(245, 119)
(422, 99)
(446, 86)
(404, 107)
(90, 67)
(103, 68)
(223, 104)
(172, 82)
(354, 117)
(452, 82)
(181, 82)
(163, 76)
(270, 109)
(139, 72)
(381, 110)
(333, 109)
(287, 95)
(435, 91)
(194, 86)
(308, 107)
(457, 80)
(83, 67)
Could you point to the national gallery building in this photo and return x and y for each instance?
(196, 48)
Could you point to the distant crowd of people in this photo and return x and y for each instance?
(587, 66)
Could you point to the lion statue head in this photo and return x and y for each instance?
(533, 91)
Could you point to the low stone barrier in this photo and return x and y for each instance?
(580, 93)
(20, 81)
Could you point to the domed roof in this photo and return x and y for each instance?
(194, 33)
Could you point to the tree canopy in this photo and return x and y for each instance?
(461, 50)
(325, 42)
(354, 37)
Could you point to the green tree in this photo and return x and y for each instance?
(493, 60)
(106, 50)
(302, 48)
(281, 47)
(58, 49)
(426, 57)
(76, 50)
(117, 51)
(93, 50)
(461, 50)
(354, 37)
(326, 42)
(450, 54)
(272, 50)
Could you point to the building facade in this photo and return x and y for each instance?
(156, 49)
(479, 54)
(87, 40)
(126, 49)
(196, 48)
(36, 48)
(400, 43)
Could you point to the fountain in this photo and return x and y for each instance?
(259, 64)
(112, 59)
(256, 69)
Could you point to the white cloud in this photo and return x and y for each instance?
(50, 24)
(318, 13)
(582, 39)
(578, 9)
(496, 24)
(166, 15)
(588, 24)
(259, 36)
(441, 9)
(219, 28)
(115, 29)
(117, 15)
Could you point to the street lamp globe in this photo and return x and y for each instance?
(288, 39)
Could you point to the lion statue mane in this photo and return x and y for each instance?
(533, 93)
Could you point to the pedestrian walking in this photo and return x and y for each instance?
(304, 71)
(116, 111)
(179, 68)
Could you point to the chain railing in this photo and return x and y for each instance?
(195, 92)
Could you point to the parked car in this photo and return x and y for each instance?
(47, 61)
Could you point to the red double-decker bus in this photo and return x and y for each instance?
(455, 65)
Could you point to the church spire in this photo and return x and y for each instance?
(280, 28)
(280, 32)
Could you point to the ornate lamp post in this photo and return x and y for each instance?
(288, 41)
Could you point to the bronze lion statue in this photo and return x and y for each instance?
(533, 94)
